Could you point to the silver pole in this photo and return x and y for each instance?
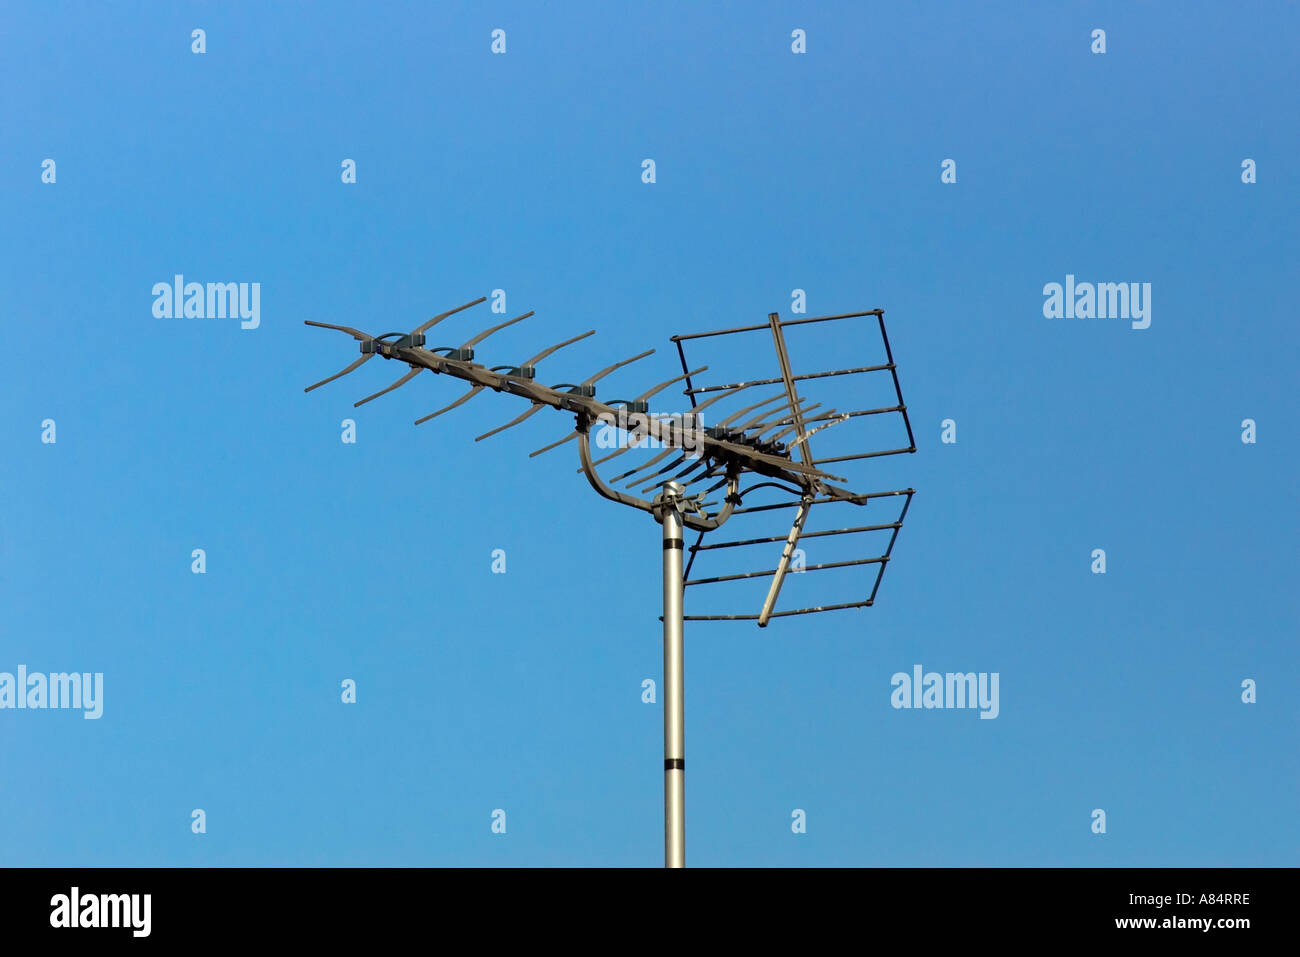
(674, 712)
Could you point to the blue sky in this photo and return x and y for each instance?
(774, 171)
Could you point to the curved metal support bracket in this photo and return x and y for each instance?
(698, 521)
(584, 451)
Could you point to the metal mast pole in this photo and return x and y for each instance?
(674, 711)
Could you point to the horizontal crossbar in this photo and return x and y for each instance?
(783, 323)
(772, 571)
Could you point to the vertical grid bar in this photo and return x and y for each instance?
(778, 337)
(690, 389)
(893, 371)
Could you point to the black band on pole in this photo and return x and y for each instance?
(672, 543)
(674, 764)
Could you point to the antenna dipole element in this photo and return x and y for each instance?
(667, 509)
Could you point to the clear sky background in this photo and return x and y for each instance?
(522, 171)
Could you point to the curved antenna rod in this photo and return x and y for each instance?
(497, 328)
(844, 417)
(714, 487)
(451, 312)
(688, 470)
(354, 333)
(750, 408)
(651, 393)
(667, 468)
(691, 468)
(708, 473)
(756, 420)
(793, 428)
(402, 381)
(773, 423)
(546, 448)
(648, 462)
(343, 372)
(617, 365)
(559, 345)
(447, 408)
(515, 421)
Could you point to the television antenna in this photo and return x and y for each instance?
(766, 442)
